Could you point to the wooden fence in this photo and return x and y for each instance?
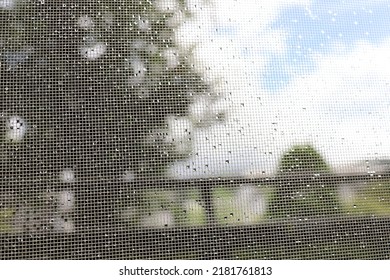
(336, 237)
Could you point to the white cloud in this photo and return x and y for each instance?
(230, 44)
(230, 38)
(166, 5)
(248, 13)
(342, 108)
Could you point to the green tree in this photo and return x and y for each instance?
(302, 192)
(93, 85)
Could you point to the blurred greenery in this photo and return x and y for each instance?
(304, 198)
(193, 212)
(96, 89)
(6, 216)
(301, 159)
(369, 199)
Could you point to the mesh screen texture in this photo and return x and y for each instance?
(194, 130)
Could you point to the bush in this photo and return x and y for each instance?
(306, 194)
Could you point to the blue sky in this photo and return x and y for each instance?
(316, 29)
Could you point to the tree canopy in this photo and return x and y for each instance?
(87, 88)
(302, 159)
(306, 194)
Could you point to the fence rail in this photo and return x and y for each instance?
(331, 237)
(338, 238)
(271, 181)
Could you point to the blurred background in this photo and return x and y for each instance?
(176, 114)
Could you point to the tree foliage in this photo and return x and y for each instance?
(302, 159)
(306, 194)
(94, 83)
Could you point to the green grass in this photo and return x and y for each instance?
(6, 216)
(373, 199)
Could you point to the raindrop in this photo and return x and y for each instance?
(16, 127)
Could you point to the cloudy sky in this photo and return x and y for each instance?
(291, 72)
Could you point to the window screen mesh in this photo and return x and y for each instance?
(194, 130)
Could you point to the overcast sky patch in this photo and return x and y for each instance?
(294, 72)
